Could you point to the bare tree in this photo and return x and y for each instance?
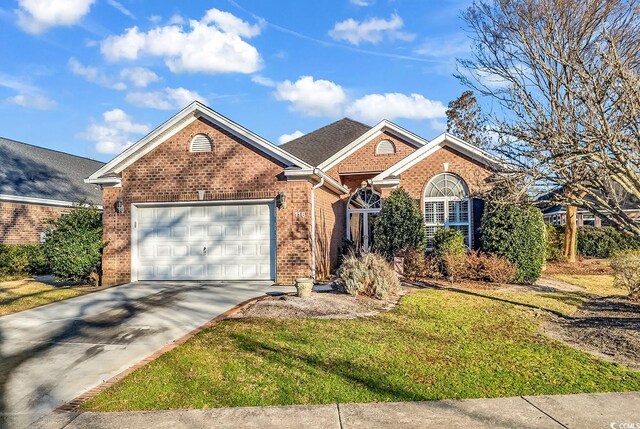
(565, 76)
(465, 120)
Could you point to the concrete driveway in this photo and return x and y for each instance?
(51, 354)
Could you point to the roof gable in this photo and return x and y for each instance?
(109, 173)
(443, 140)
(319, 145)
(38, 173)
(359, 142)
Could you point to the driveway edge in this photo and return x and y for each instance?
(72, 406)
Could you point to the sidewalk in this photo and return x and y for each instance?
(609, 410)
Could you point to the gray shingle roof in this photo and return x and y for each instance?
(32, 171)
(321, 144)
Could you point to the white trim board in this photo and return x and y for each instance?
(365, 138)
(444, 139)
(38, 201)
(183, 118)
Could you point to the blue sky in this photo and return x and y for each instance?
(90, 77)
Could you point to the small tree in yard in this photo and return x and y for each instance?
(399, 225)
(626, 266)
(516, 232)
(74, 245)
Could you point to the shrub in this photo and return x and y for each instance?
(74, 245)
(449, 250)
(414, 264)
(489, 268)
(555, 243)
(369, 275)
(399, 225)
(626, 266)
(19, 260)
(604, 242)
(518, 234)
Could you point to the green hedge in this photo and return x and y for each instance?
(604, 242)
(74, 245)
(20, 260)
(399, 226)
(517, 233)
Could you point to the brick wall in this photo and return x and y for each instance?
(23, 223)
(366, 160)
(415, 179)
(330, 230)
(234, 170)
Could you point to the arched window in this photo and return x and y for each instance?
(362, 211)
(385, 147)
(447, 204)
(201, 143)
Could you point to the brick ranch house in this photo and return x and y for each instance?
(37, 184)
(203, 198)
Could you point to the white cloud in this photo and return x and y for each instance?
(115, 133)
(120, 8)
(155, 19)
(139, 76)
(288, 137)
(264, 81)
(375, 107)
(176, 19)
(166, 99)
(450, 46)
(373, 30)
(312, 97)
(362, 2)
(37, 16)
(27, 95)
(213, 45)
(33, 101)
(93, 74)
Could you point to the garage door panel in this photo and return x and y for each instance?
(239, 242)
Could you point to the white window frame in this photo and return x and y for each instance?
(446, 200)
(365, 218)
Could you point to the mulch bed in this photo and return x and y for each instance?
(584, 266)
(608, 327)
(320, 305)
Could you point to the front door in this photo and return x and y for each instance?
(363, 209)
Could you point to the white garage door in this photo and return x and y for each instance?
(206, 242)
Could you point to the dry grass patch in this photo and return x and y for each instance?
(19, 295)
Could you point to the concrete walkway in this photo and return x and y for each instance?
(611, 410)
(51, 354)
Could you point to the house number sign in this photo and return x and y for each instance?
(301, 214)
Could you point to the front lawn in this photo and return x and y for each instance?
(436, 344)
(23, 294)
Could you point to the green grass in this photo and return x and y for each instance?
(18, 295)
(435, 345)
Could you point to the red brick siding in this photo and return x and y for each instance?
(23, 223)
(365, 159)
(234, 170)
(415, 179)
(330, 229)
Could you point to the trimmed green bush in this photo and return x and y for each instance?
(21, 260)
(74, 245)
(555, 242)
(399, 225)
(371, 275)
(449, 251)
(604, 242)
(518, 234)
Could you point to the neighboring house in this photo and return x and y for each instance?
(556, 214)
(202, 198)
(37, 184)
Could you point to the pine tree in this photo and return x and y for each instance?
(465, 121)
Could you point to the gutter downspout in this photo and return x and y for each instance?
(313, 224)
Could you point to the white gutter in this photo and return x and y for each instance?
(313, 224)
(38, 201)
